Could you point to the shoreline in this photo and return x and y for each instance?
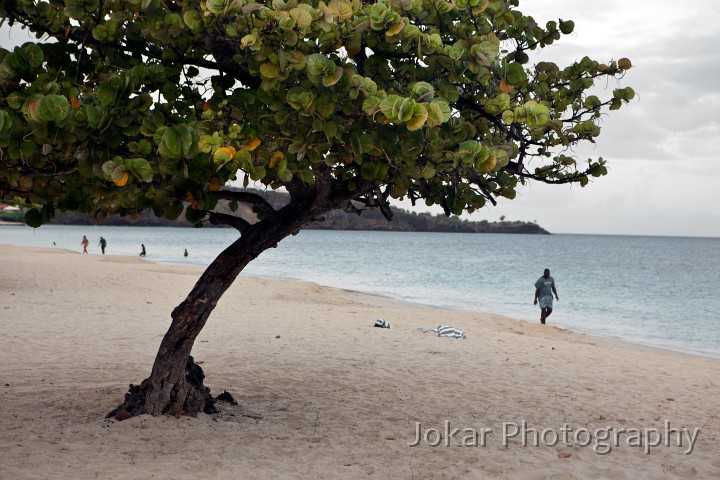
(324, 394)
(631, 343)
(628, 343)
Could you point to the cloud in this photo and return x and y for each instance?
(676, 67)
(663, 161)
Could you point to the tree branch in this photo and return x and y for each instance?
(224, 219)
(464, 102)
(348, 207)
(377, 199)
(555, 181)
(384, 205)
(299, 191)
(248, 198)
(223, 53)
(323, 181)
(47, 172)
(486, 193)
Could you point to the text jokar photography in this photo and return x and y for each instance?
(602, 440)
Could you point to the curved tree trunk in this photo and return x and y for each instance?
(175, 383)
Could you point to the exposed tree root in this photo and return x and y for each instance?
(197, 396)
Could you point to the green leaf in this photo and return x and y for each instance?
(193, 20)
(515, 74)
(626, 94)
(435, 114)
(250, 40)
(434, 41)
(536, 114)
(5, 122)
(208, 143)
(374, 171)
(485, 52)
(170, 145)
(216, 6)
(387, 106)
(331, 79)
(142, 169)
(119, 172)
(319, 65)
(15, 101)
(456, 51)
(501, 158)
(624, 63)
(299, 98)
(508, 117)
(173, 211)
(301, 16)
(282, 171)
(142, 147)
(496, 105)
(53, 108)
(106, 94)
(428, 172)
(186, 137)
(193, 215)
(372, 105)
(108, 167)
(269, 70)
(567, 26)
(418, 118)
(94, 116)
(100, 33)
(356, 145)
(33, 218)
(444, 109)
(242, 156)
(33, 55)
(252, 7)
(423, 92)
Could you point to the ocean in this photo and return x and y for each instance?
(656, 291)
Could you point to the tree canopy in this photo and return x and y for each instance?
(127, 105)
(123, 106)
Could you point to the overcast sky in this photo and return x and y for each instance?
(662, 149)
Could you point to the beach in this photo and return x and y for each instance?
(324, 394)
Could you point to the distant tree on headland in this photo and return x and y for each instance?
(367, 219)
(126, 106)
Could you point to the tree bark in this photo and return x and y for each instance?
(175, 386)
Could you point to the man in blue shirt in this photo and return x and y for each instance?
(544, 289)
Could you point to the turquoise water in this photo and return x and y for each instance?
(660, 291)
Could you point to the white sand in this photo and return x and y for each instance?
(322, 393)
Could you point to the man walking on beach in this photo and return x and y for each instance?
(103, 244)
(544, 289)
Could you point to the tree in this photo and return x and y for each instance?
(127, 105)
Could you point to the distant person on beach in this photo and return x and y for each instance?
(142, 252)
(103, 244)
(85, 242)
(544, 289)
(185, 254)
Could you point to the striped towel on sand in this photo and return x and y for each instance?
(445, 331)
